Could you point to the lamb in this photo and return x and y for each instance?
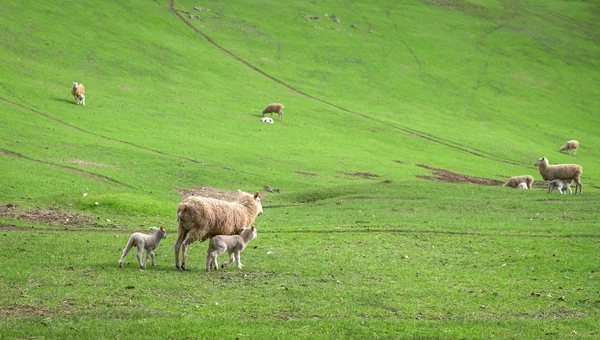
(559, 185)
(522, 186)
(202, 217)
(274, 108)
(233, 244)
(565, 172)
(267, 120)
(143, 241)
(514, 182)
(78, 92)
(570, 146)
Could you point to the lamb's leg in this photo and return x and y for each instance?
(231, 259)
(139, 256)
(237, 259)
(125, 252)
(152, 257)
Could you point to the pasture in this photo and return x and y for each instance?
(384, 214)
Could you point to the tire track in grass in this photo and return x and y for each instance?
(91, 175)
(111, 139)
(409, 131)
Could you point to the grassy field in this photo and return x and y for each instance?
(386, 218)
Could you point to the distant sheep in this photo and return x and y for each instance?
(233, 244)
(267, 120)
(559, 185)
(514, 182)
(78, 92)
(570, 147)
(274, 108)
(565, 172)
(204, 217)
(143, 241)
(522, 186)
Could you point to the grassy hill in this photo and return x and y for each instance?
(380, 105)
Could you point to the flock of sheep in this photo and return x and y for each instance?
(558, 176)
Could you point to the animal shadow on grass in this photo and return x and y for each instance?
(61, 99)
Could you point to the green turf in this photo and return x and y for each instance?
(360, 242)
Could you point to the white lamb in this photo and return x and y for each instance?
(522, 186)
(267, 120)
(143, 241)
(233, 244)
(560, 186)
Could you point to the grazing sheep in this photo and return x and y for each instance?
(570, 146)
(559, 185)
(565, 172)
(233, 244)
(522, 186)
(78, 92)
(204, 217)
(267, 120)
(514, 182)
(274, 108)
(143, 241)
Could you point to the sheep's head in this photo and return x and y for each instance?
(257, 200)
(161, 230)
(541, 160)
(75, 84)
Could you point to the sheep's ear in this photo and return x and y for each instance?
(253, 228)
(240, 191)
(161, 228)
(256, 194)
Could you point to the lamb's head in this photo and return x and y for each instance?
(540, 161)
(161, 231)
(252, 230)
(75, 84)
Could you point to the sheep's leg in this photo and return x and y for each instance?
(152, 257)
(139, 256)
(125, 252)
(231, 259)
(237, 260)
(181, 235)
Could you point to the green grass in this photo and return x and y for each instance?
(357, 244)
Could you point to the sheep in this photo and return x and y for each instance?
(565, 172)
(202, 217)
(559, 185)
(522, 186)
(570, 146)
(267, 120)
(143, 241)
(78, 92)
(514, 182)
(233, 244)
(274, 108)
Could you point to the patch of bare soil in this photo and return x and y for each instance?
(51, 216)
(366, 175)
(211, 192)
(308, 174)
(442, 175)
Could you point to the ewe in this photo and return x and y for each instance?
(570, 147)
(78, 92)
(143, 241)
(514, 182)
(565, 172)
(233, 244)
(204, 217)
(274, 108)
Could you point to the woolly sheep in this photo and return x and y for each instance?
(233, 244)
(143, 241)
(78, 92)
(559, 185)
(522, 186)
(570, 147)
(274, 108)
(514, 182)
(202, 217)
(267, 120)
(565, 172)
